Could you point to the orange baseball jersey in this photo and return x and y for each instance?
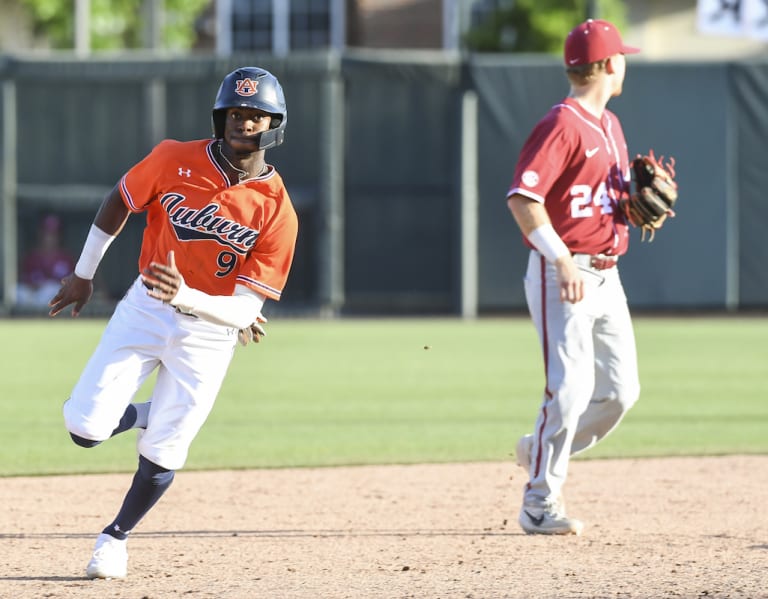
(222, 234)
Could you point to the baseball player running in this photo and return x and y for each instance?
(219, 240)
(571, 173)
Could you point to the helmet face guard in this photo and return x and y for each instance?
(252, 87)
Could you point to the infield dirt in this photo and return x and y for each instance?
(678, 527)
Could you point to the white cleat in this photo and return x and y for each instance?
(548, 520)
(110, 558)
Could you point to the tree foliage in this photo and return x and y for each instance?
(537, 25)
(114, 24)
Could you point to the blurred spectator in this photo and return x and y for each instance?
(44, 266)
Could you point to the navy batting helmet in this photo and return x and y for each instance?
(252, 87)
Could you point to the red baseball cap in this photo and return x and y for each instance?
(594, 40)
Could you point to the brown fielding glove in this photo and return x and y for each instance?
(655, 193)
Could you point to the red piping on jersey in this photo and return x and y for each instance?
(127, 197)
(270, 291)
(545, 349)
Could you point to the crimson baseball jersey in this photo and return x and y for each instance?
(222, 234)
(577, 165)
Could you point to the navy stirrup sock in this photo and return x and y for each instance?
(149, 484)
(83, 442)
(127, 421)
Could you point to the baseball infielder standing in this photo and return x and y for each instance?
(219, 241)
(571, 173)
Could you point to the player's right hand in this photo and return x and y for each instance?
(74, 290)
(571, 281)
(253, 333)
(164, 281)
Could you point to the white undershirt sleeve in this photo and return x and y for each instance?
(239, 310)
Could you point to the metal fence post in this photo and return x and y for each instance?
(468, 212)
(9, 189)
(331, 191)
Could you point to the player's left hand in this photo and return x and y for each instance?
(163, 280)
(74, 290)
(655, 194)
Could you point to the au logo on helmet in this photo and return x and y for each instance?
(246, 87)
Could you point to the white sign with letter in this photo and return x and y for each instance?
(733, 18)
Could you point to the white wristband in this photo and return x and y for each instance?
(95, 247)
(548, 243)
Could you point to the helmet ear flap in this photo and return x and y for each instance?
(271, 138)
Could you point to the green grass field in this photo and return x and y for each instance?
(363, 391)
